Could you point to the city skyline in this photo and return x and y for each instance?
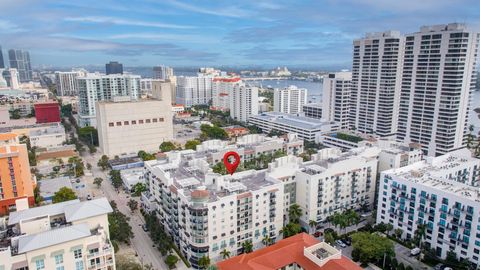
(174, 33)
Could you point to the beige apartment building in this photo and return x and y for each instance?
(67, 235)
(127, 126)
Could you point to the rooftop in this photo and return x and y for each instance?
(440, 173)
(52, 237)
(73, 210)
(292, 250)
(189, 172)
(49, 186)
(50, 130)
(296, 121)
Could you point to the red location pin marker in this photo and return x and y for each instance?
(231, 167)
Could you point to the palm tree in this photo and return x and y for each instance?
(247, 246)
(267, 240)
(204, 262)
(389, 228)
(294, 212)
(313, 224)
(225, 254)
(419, 234)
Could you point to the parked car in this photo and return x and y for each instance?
(415, 252)
(144, 227)
(89, 197)
(347, 241)
(318, 234)
(341, 244)
(439, 267)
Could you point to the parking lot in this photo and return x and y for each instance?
(184, 133)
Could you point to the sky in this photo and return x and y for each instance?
(316, 34)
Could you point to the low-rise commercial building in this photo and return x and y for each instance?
(307, 128)
(67, 235)
(313, 110)
(441, 194)
(47, 112)
(46, 137)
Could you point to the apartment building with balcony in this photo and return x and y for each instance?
(66, 235)
(206, 212)
(334, 182)
(440, 193)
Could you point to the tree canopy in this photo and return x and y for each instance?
(371, 247)
(192, 144)
(213, 132)
(64, 194)
(167, 146)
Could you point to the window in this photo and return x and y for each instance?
(119, 123)
(140, 121)
(40, 264)
(111, 124)
(161, 119)
(147, 121)
(155, 120)
(58, 259)
(79, 265)
(125, 123)
(134, 122)
(77, 253)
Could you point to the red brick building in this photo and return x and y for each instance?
(47, 112)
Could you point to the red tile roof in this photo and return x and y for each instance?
(283, 253)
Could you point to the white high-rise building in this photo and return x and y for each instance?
(376, 75)
(222, 89)
(336, 98)
(11, 77)
(289, 99)
(243, 102)
(441, 194)
(66, 82)
(194, 90)
(100, 87)
(162, 72)
(439, 74)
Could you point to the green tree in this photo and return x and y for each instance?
(267, 240)
(138, 188)
(213, 132)
(204, 262)
(66, 110)
(98, 181)
(119, 228)
(294, 213)
(167, 146)
(329, 238)
(192, 144)
(76, 166)
(225, 254)
(133, 205)
(219, 168)
(15, 114)
(88, 135)
(291, 229)
(37, 196)
(146, 156)
(398, 233)
(371, 247)
(312, 224)
(64, 194)
(103, 162)
(389, 228)
(171, 261)
(116, 178)
(247, 246)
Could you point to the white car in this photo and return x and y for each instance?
(415, 252)
(341, 244)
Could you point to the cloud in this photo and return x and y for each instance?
(230, 11)
(9, 27)
(118, 21)
(164, 36)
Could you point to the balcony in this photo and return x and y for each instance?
(101, 265)
(105, 252)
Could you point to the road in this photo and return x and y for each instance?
(141, 242)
